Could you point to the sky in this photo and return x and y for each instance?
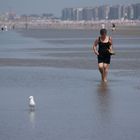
(52, 6)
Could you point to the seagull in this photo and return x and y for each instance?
(31, 103)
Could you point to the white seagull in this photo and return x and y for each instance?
(31, 103)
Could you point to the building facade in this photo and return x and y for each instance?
(104, 12)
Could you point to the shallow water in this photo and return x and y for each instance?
(71, 101)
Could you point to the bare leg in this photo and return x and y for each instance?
(106, 69)
(101, 69)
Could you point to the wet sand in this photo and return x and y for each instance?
(72, 103)
(73, 49)
(77, 60)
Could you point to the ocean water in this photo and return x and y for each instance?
(71, 102)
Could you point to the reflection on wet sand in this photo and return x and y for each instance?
(103, 88)
(32, 118)
(104, 101)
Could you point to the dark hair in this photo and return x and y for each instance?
(103, 31)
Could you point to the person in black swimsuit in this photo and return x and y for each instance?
(104, 44)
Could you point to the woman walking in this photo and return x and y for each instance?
(104, 52)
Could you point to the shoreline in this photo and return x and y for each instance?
(59, 24)
(49, 33)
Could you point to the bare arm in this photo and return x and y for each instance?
(95, 47)
(111, 42)
(111, 47)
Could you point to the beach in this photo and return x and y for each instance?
(59, 68)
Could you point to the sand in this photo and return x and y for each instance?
(62, 75)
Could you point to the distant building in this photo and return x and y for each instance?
(47, 16)
(88, 13)
(67, 14)
(79, 14)
(101, 12)
(114, 12)
(136, 11)
(123, 12)
(72, 14)
(130, 12)
(95, 13)
(104, 12)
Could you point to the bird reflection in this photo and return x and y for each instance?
(32, 117)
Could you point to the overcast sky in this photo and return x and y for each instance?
(52, 6)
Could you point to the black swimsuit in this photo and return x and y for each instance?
(104, 56)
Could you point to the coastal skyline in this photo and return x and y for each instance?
(50, 6)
